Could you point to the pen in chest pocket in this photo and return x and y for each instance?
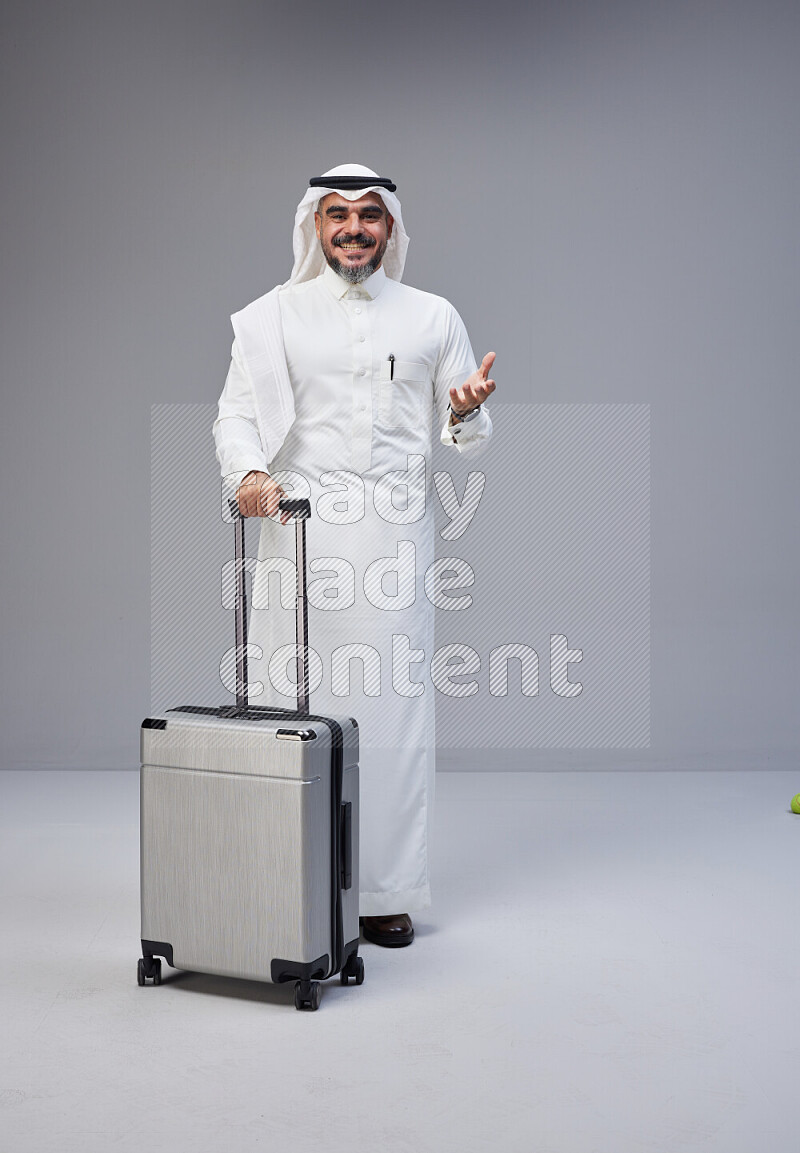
(391, 366)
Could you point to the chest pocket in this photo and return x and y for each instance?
(403, 393)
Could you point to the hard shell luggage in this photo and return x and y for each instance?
(249, 829)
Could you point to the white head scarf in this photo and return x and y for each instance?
(309, 259)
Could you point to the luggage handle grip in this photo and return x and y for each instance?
(300, 508)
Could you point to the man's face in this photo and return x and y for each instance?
(353, 234)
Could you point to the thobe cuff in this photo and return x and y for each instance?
(239, 447)
(236, 478)
(465, 435)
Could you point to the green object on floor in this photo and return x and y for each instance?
(796, 803)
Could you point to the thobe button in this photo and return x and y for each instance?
(358, 311)
(362, 372)
(362, 339)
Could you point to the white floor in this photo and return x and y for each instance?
(611, 966)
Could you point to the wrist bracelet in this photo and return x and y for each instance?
(462, 417)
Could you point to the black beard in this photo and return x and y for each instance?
(355, 274)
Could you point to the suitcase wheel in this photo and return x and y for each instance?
(307, 995)
(353, 968)
(149, 968)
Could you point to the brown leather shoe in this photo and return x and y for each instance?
(391, 931)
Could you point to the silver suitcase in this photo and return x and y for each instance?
(249, 830)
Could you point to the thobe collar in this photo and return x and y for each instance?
(367, 290)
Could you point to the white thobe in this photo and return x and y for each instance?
(370, 367)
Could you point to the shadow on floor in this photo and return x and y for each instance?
(236, 987)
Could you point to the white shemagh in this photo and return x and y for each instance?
(258, 326)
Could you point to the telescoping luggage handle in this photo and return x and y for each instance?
(300, 509)
(342, 813)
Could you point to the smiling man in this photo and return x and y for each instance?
(353, 234)
(338, 379)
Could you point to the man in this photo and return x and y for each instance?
(337, 379)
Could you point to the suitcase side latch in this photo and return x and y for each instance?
(346, 842)
(296, 735)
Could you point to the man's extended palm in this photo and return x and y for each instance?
(475, 388)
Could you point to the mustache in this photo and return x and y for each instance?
(358, 238)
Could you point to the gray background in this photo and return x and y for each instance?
(607, 193)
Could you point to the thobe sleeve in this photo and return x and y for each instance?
(239, 447)
(455, 363)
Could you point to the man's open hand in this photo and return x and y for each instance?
(475, 388)
(258, 495)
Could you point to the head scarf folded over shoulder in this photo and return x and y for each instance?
(352, 181)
